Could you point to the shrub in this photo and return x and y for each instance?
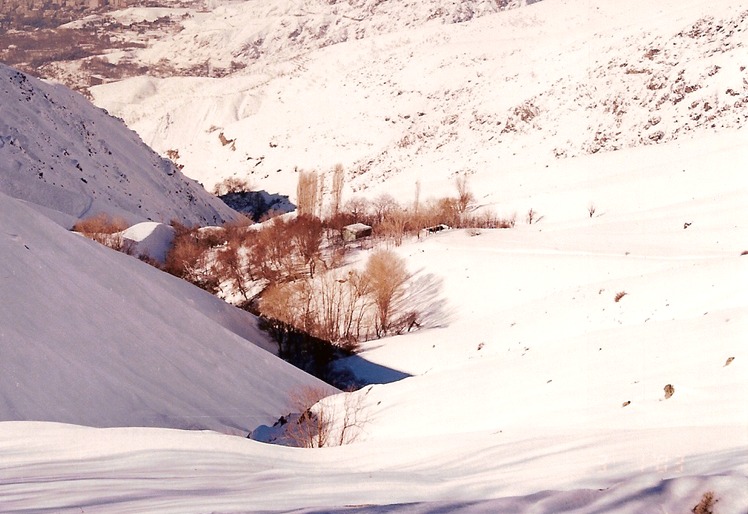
(232, 260)
(231, 185)
(188, 257)
(322, 423)
(706, 504)
(103, 229)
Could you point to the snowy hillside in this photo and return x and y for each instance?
(590, 360)
(94, 337)
(519, 88)
(538, 392)
(73, 160)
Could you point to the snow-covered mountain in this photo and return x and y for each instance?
(540, 391)
(592, 361)
(519, 88)
(94, 337)
(73, 160)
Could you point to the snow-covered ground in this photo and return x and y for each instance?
(539, 392)
(540, 386)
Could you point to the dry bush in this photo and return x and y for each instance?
(290, 303)
(188, 257)
(312, 427)
(334, 307)
(231, 185)
(103, 229)
(619, 295)
(532, 216)
(394, 226)
(272, 253)
(706, 504)
(323, 423)
(488, 219)
(232, 260)
(387, 275)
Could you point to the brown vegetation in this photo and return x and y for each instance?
(231, 185)
(706, 504)
(321, 424)
(188, 256)
(307, 191)
(387, 275)
(103, 229)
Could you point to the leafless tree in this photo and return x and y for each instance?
(338, 179)
(307, 190)
(387, 275)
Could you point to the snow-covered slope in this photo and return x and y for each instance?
(540, 384)
(519, 88)
(74, 160)
(252, 30)
(537, 393)
(94, 337)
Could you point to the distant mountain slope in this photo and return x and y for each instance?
(91, 336)
(62, 153)
(519, 88)
(242, 32)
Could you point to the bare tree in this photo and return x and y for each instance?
(358, 208)
(417, 200)
(232, 260)
(307, 191)
(464, 196)
(338, 179)
(383, 205)
(306, 234)
(387, 276)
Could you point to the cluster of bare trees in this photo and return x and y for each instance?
(394, 221)
(344, 307)
(290, 268)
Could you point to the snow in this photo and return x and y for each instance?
(149, 239)
(532, 387)
(586, 72)
(73, 160)
(95, 337)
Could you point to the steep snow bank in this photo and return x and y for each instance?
(91, 336)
